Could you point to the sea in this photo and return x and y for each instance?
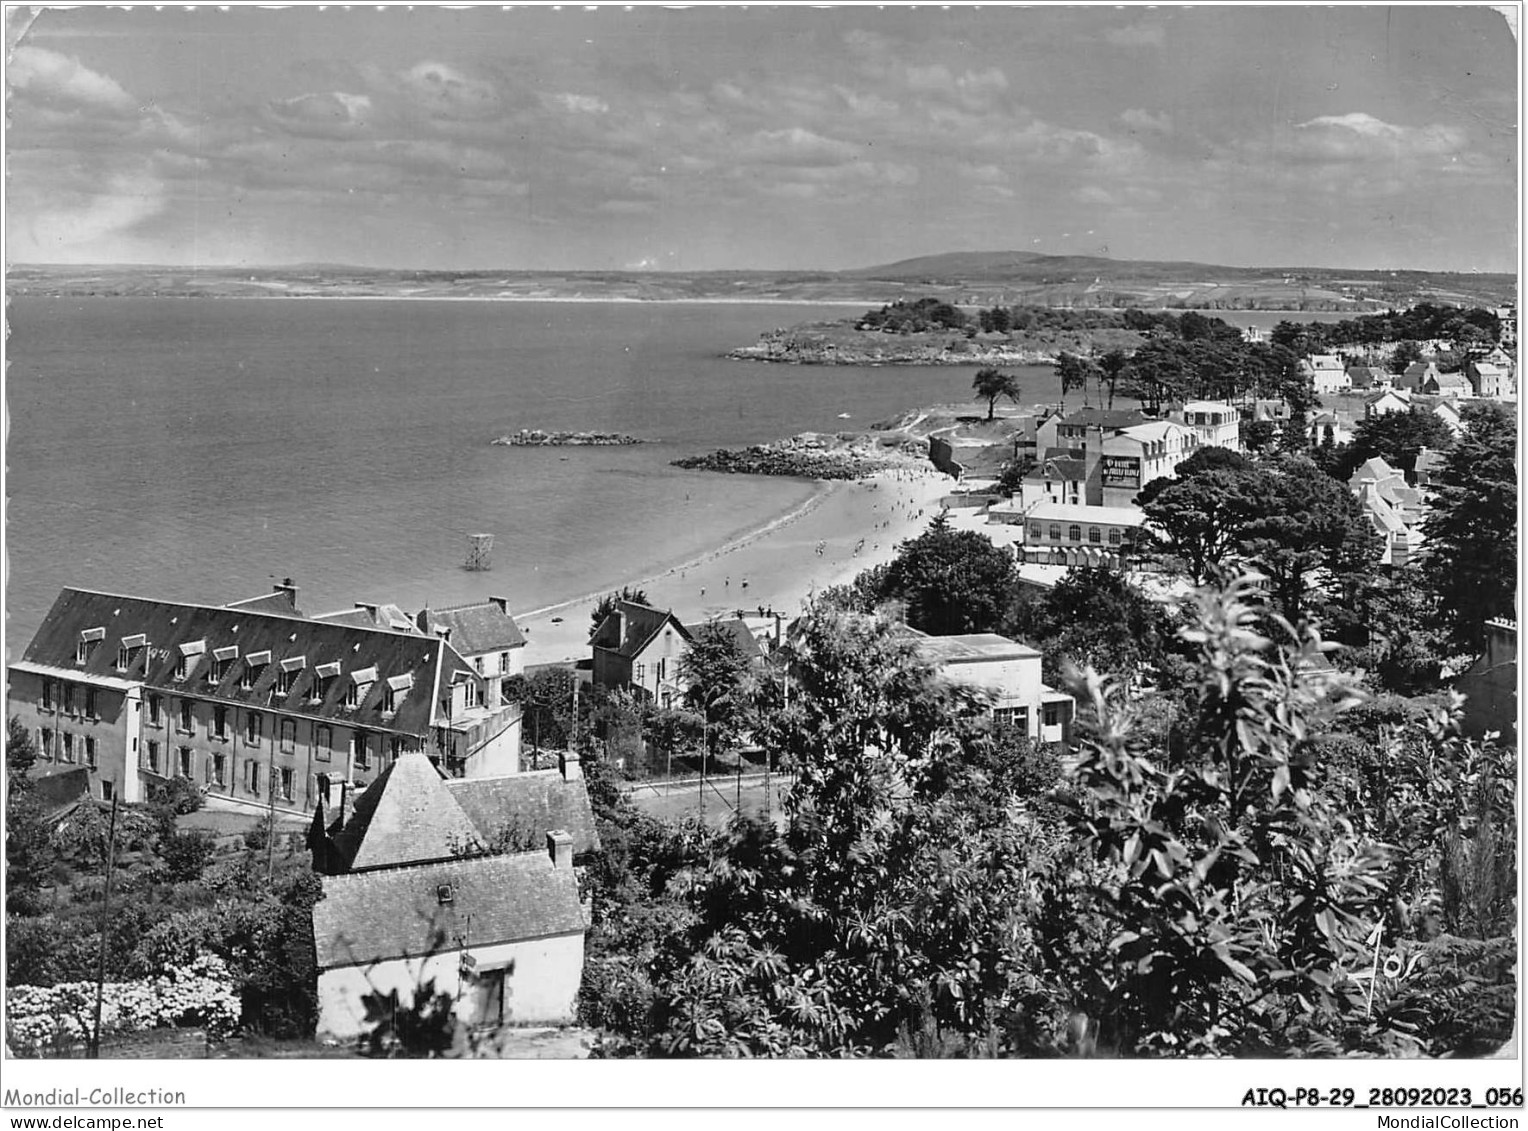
(204, 449)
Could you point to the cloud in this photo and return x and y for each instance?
(1137, 35)
(444, 92)
(578, 103)
(797, 146)
(1359, 137)
(974, 89)
(64, 79)
(322, 115)
(79, 220)
(1138, 119)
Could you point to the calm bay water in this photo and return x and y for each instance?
(198, 449)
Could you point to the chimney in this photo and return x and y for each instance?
(1093, 476)
(502, 602)
(569, 766)
(285, 586)
(620, 637)
(559, 846)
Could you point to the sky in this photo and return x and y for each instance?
(762, 138)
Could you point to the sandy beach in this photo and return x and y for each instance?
(845, 527)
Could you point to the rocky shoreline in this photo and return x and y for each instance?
(788, 349)
(536, 438)
(813, 456)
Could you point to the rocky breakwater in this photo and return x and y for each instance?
(843, 346)
(814, 456)
(535, 438)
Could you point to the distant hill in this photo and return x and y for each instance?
(1029, 264)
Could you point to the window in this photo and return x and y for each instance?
(107, 788)
(323, 742)
(474, 694)
(1114, 537)
(1052, 715)
(220, 722)
(1055, 532)
(389, 700)
(285, 681)
(352, 696)
(90, 751)
(81, 652)
(288, 735)
(222, 658)
(662, 668)
(248, 676)
(252, 777)
(187, 761)
(68, 698)
(477, 662)
(1095, 535)
(217, 769)
(395, 747)
(90, 703)
(151, 756)
(362, 750)
(323, 676)
(252, 728)
(127, 651)
(638, 673)
(286, 783)
(1036, 531)
(45, 743)
(186, 726)
(1074, 533)
(183, 667)
(155, 708)
(47, 695)
(504, 662)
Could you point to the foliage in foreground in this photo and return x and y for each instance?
(1203, 882)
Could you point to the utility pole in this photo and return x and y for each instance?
(270, 832)
(111, 859)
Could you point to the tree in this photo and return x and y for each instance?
(1111, 368)
(606, 605)
(991, 383)
(547, 698)
(1198, 519)
(1094, 617)
(1397, 438)
(1074, 372)
(952, 580)
(27, 853)
(1405, 355)
(1471, 526)
(715, 668)
(1301, 520)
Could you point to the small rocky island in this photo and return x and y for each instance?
(815, 456)
(536, 438)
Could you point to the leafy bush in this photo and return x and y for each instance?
(180, 795)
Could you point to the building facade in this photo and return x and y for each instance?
(253, 706)
(1058, 534)
(1007, 671)
(639, 647)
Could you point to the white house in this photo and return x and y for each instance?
(1491, 381)
(1007, 670)
(1062, 534)
(486, 636)
(1387, 400)
(1326, 372)
(640, 647)
(469, 893)
(1134, 456)
(1217, 423)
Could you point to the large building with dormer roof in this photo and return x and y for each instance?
(251, 701)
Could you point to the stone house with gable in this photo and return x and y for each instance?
(465, 886)
(485, 635)
(639, 647)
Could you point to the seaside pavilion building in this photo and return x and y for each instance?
(254, 702)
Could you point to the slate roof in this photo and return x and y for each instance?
(972, 648)
(390, 617)
(59, 794)
(737, 628)
(1080, 513)
(1068, 468)
(280, 602)
(406, 816)
(643, 622)
(299, 643)
(1106, 417)
(1457, 382)
(485, 626)
(376, 916)
(532, 804)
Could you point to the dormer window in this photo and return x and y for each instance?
(221, 659)
(286, 678)
(397, 686)
(128, 650)
(360, 683)
(254, 668)
(89, 640)
(188, 657)
(323, 676)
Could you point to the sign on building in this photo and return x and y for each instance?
(1121, 471)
